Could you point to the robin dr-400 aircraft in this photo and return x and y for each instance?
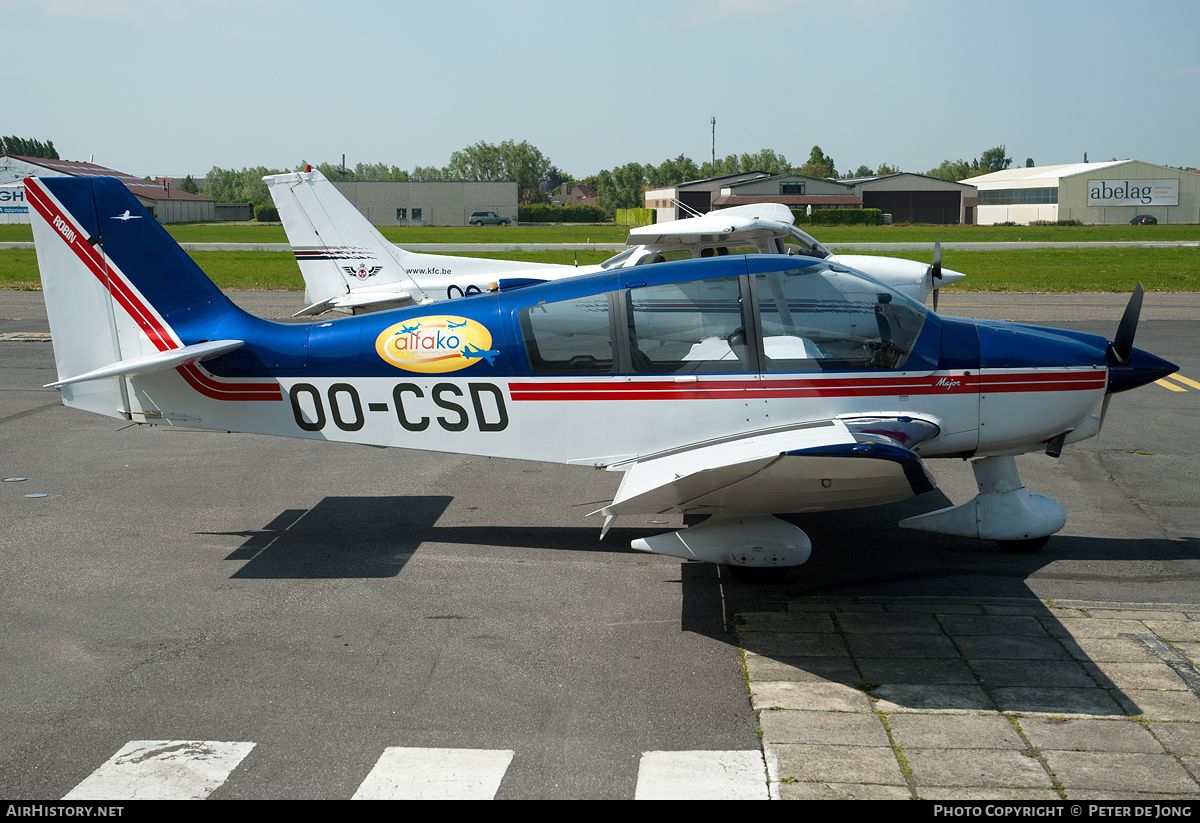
(349, 267)
(740, 387)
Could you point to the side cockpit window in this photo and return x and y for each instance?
(819, 318)
(695, 326)
(568, 336)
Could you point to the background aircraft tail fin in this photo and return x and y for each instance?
(335, 245)
(117, 286)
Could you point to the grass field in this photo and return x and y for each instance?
(1032, 270)
(252, 233)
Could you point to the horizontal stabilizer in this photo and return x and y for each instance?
(159, 361)
(354, 300)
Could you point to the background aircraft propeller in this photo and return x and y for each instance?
(936, 271)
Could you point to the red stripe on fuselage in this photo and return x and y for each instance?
(857, 386)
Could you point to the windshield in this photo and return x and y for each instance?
(808, 243)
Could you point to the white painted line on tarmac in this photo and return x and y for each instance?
(162, 770)
(436, 774)
(736, 775)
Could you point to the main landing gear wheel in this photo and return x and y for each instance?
(1031, 546)
(759, 574)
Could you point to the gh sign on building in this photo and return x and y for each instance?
(1133, 192)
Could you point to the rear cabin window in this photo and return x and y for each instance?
(568, 336)
(694, 326)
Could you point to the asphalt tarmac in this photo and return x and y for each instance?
(327, 602)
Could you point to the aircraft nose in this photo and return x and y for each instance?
(1142, 368)
(949, 276)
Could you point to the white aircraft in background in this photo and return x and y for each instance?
(348, 266)
(738, 387)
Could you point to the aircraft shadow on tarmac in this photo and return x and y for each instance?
(372, 537)
(927, 662)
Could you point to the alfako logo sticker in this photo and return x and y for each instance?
(435, 344)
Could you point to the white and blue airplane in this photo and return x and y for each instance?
(349, 267)
(740, 387)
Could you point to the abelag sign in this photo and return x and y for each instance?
(1133, 192)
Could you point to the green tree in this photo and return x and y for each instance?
(884, 168)
(28, 148)
(1029, 163)
(671, 172)
(956, 170)
(994, 160)
(245, 186)
(818, 165)
(521, 162)
(189, 185)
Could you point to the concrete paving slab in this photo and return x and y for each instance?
(840, 608)
(1189, 650)
(1118, 771)
(823, 728)
(1092, 628)
(777, 644)
(787, 622)
(992, 624)
(1156, 705)
(840, 764)
(1132, 614)
(1047, 795)
(975, 767)
(915, 671)
(953, 699)
(906, 624)
(1089, 734)
(1173, 630)
(921, 646)
(1179, 737)
(1011, 648)
(931, 608)
(1135, 676)
(1031, 700)
(941, 731)
(828, 697)
(1049, 673)
(801, 669)
(842, 791)
(1116, 650)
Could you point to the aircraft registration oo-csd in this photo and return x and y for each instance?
(740, 387)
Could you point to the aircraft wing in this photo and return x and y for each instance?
(827, 464)
(744, 222)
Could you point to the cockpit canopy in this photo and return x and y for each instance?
(816, 316)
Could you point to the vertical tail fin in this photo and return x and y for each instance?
(117, 286)
(336, 246)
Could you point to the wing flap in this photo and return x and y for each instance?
(818, 468)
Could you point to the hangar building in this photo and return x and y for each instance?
(909, 198)
(1093, 193)
(915, 198)
(167, 204)
(795, 190)
(430, 203)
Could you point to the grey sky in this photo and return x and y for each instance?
(163, 88)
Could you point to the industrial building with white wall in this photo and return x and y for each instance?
(1107, 193)
(430, 203)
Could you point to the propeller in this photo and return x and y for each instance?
(936, 271)
(1123, 343)
(1128, 367)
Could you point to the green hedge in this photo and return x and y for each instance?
(839, 217)
(637, 217)
(542, 213)
(266, 214)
